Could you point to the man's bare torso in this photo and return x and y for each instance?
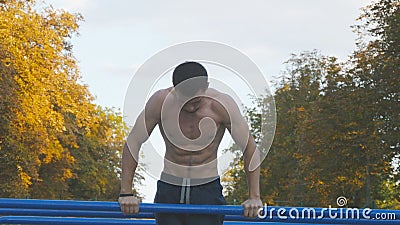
(192, 157)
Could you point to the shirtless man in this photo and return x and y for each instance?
(192, 119)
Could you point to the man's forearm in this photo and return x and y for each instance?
(129, 165)
(252, 168)
(253, 181)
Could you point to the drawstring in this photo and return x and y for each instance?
(185, 188)
(188, 191)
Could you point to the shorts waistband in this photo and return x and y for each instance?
(186, 181)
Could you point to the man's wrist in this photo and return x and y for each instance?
(254, 196)
(127, 190)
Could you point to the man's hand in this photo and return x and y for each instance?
(129, 205)
(251, 207)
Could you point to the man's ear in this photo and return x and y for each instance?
(208, 84)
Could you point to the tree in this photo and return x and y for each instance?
(54, 140)
(34, 46)
(376, 72)
(285, 175)
(338, 124)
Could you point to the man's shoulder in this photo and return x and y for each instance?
(163, 92)
(156, 100)
(218, 96)
(160, 95)
(220, 101)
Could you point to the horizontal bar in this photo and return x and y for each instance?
(92, 221)
(114, 206)
(69, 220)
(58, 204)
(101, 221)
(70, 213)
(202, 209)
(98, 214)
(26, 213)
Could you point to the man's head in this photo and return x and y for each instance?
(190, 78)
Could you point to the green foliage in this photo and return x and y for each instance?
(376, 70)
(338, 124)
(54, 143)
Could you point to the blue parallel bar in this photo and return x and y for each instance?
(102, 221)
(27, 214)
(98, 214)
(100, 207)
(114, 206)
(69, 220)
(75, 221)
(71, 213)
(166, 208)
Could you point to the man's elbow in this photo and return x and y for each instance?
(131, 149)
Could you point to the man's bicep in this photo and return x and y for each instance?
(240, 131)
(143, 127)
(236, 124)
(147, 120)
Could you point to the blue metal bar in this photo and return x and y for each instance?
(172, 208)
(71, 213)
(69, 220)
(91, 221)
(98, 214)
(112, 209)
(58, 204)
(114, 206)
(65, 213)
(102, 221)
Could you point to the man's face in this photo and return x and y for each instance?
(192, 103)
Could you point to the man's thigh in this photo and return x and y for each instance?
(209, 194)
(167, 193)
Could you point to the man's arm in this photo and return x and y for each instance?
(239, 130)
(252, 163)
(140, 132)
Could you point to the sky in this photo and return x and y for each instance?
(117, 37)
